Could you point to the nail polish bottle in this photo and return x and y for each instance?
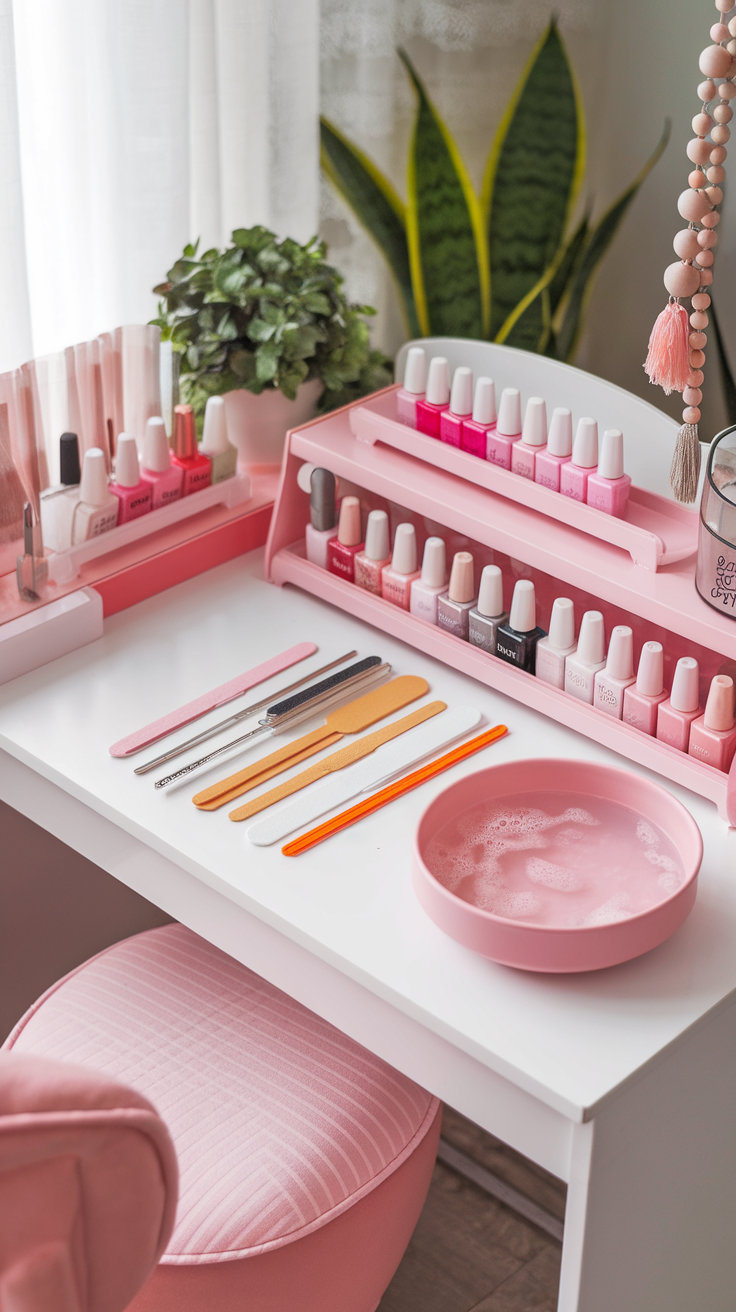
(397, 578)
(582, 666)
(611, 683)
(553, 651)
(608, 487)
(517, 641)
(342, 550)
(166, 479)
(31, 570)
(369, 563)
(461, 407)
(58, 502)
(415, 381)
(220, 452)
(675, 715)
(533, 438)
(432, 583)
(642, 699)
(436, 399)
(575, 473)
(475, 430)
(197, 468)
(485, 618)
(96, 511)
(133, 494)
(508, 427)
(322, 519)
(455, 605)
(713, 736)
(558, 450)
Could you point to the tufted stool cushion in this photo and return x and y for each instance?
(304, 1160)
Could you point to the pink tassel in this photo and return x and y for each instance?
(668, 362)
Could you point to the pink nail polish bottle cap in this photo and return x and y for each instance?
(484, 406)
(592, 640)
(534, 432)
(93, 484)
(611, 463)
(348, 532)
(434, 563)
(376, 536)
(156, 454)
(127, 469)
(461, 579)
(461, 398)
(719, 706)
(650, 675)
(490, 593)
(438, 382)
(559, 440)
(562, 624)
(509, 413)
(523, 617)
(585, 446)
(404, 559)
(415, 372)
(684, 695)
(620, 659)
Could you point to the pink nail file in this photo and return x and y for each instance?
(226, 692)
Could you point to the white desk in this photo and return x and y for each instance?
(622, 1082)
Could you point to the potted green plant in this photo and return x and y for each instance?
(266, 324)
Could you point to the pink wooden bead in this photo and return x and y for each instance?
(698, 320)
(707, 91)
(696, 180)
(693, 205)
(712, 218)
(706, 278)
(715, 173)
(686, 244)
(697, 341)
(720, 135)
(701, 301)
(718, 32)
(726, 90)
(698, 150)
(695, 378)
(697, 359)
(714, 194)
(705, 259)
(722, 7)
(681, 279)
(714, 61)
(718, 155)
(691, 415)
(707, 239)
(723, 113)
(692, 396)
(731, 24)
(702, 124)
(731, 48)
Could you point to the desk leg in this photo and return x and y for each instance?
(651, 1211)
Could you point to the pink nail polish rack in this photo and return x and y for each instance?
(638, 571)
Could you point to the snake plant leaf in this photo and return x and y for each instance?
(571, 311)
(447, 250)
(567, 267)
(533, 177)
(375, 203)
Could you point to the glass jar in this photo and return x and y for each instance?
(715, 574)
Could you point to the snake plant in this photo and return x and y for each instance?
(506, 266)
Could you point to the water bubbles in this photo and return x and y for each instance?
(544, 872)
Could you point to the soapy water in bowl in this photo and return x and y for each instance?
(562, 859)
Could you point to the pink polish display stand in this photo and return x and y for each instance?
(561, 557)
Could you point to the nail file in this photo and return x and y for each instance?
(209, 701)
(353, 718)
(371, 773)
(338, 760)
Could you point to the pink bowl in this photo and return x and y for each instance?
(546, 947)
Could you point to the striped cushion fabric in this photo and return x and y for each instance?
(280, 1122)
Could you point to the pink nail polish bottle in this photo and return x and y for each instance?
(713, 736)
(557, 452)
(432, 582)
(608, 487)
(166, 479)
(575, 474)
(397, 578)
(611, 683)
(642, 699)
(508, 428)
(322, 519)
(369, 563)
(342, 550)
(676, 714)
(133, 493)
(553, 651)
(197, 468)
(455, 605)
(415, 381)
(475, 431)
(533, 438)
(437, 397)
(461, 407)
(590, 657)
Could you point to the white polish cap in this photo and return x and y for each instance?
(434, 563)
(685, 693)
(611, 463)
(509, 413)
(484, 406)
(592, 640)
(559, 441)
(376, 536)
(719, 706)
(534, 432)
(127, 469)
(461, 397)
(462, 578)
(585, 446)
(93, 486)
(438, 383)
(214, 434)
(620, 659)
(490, 593)
(404, 559)
(156, 454)
(415, 371)
(650, 675)
(523, 617)
(562, 624)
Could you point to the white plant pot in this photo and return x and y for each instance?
(257, 425)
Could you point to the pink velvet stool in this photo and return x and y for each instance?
(304, 1160)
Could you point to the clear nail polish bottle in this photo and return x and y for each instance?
(675, 715)
(533, 438)
(133, 494)
(57, 503)
(415, 382)
(611, 683)
(461, 407)
(608, 487)
(575, 473)
(642, 699)
(713, 736)
(485, 618)
(508, 427)
(432, 582)
(397, 578)
(557, 452)
(517, 641)
(322, 525)
(553, 651)
(342, 550)
(370, 562)
(582, 666)
(476, 429)
(216, 445)
(436, 399)
(96, 511)
(455, 605)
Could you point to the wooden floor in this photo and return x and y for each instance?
(469, 1252)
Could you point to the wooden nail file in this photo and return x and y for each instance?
(353, 718)
(346, 756)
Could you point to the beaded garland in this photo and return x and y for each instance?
(676, 353)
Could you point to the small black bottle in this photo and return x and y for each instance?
(516, 641)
